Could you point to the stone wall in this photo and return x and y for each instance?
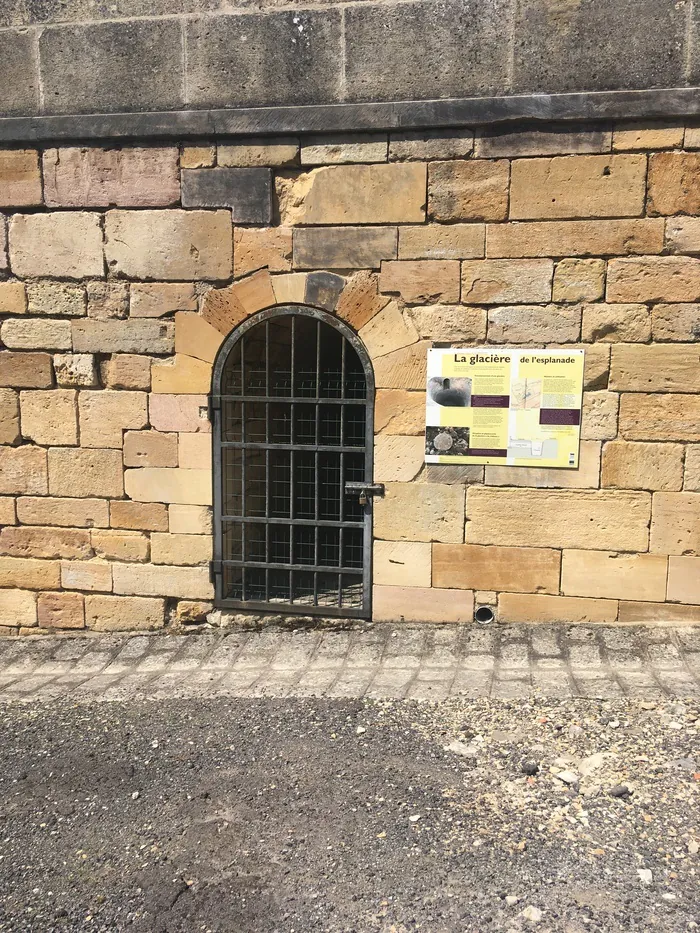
(121, 271)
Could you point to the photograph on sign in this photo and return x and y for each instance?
(504, 406)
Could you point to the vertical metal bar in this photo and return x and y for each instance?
(292, 438)
(317, 472)
(342, 467)
(244, 438)
(267, 460)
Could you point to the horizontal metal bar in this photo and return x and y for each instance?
(344, 612)
(272, 565)
(298, 447)
(262, 520)
(296, 399)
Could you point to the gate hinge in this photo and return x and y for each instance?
(215, 567)
(213, 404)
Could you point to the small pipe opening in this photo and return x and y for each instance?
(484, 615)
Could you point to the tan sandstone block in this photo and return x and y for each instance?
(25, 370)
(126, 371)
(27, 573)
(428, 145)
(401, 563)
(675, 523)
(20, 178)
(403, 369)
(195, 337)
(9, 416)
(197, 156)
(154, 299)
(599, 416)
(169, 244)
(65, 244)
(150, 449)
(460, 190)
(105, 415)
(683, 234)
(587, 476)
(397, 411)
(50, 417)
(47, 543)
(123, 613)
(578, 186)
(57, 299)
(17, 608)
(222, 310)
(256, 248)
(85, 473)
(609, 575)
(343, 247)
(579, 280)
(674, 185)
(183, 550)
(452, 241)
(596, 367)
(421, 281)
(631, 134)
(33, 334)
(388, 331)
(189, 519)
(684, 579)
(150, 580)
(13, 298)
(181, 375)
(283, 150)
(410, 512)
(123, 336)
(23, 470)
(69, 513)
(642, 466)
(360, 300)
(61, 610)
(95, 576)
(660, 417)
(659, 368)
(449, 323)
(153, 484)
(421, 604)
(398, 458)
(559, 518)
(120, 545)
(575, 238)
(691, 481)
(632, 613)
(107, 301)
(192, 612)
(7, 511)
(138, 516)
(340, 148)
(534, 324)
(654, 278)
(616, 323)
(254, 292)
(524, 608)
(354, 194)
(75, 369)
(290, 289)
(194, 451)
(451, 474)
(510, 569)
(186, 413)
(498, 281)
(104, 177)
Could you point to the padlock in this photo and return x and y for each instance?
(363, 497)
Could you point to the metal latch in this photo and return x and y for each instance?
(364, 490)
(215, 567)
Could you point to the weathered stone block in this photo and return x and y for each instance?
(150, 449)
(355, 194)
(691, 476)
(23, 471)
(397, 411)
(154, 299)
(194, 451)
(7, 511)
(402, 563)
(450, 323)
(178, 413)
(150, 580)
(656, 614)
(61, 610)
(246, 192)
(197, 156)
(631, 135)
(657, 278)
(398, 458)
(153, 484)
(195, 337)
(138, 516)
(341, 148)
(95, 576)
(323, 290)
(360, 300)
(283, 150)
(222, 309)
(123, 613)
(9, 416)
(403, 369)
(25, 370)
(609, 575)
(19, 87)
(575, 238)
(525, 608)
(387, 331)
(108, 300)
(468, 190)
(47, 543)
(497, 281)
(596, 366)
(683, 234)
(107, 177)
(642, 466)
(658, 368)
(189, 519)
(660, 417)
(534, 324)
(169, 244)
(430, 145)
(120, 545)
(27, 573)
(50, 417)
(578, 186)
(510, 569)
(599, 416)
(674, 187)
(343, 247)
(585, 477)
(104, 415)
(449, 241)
(675, 524)
(65, 244)
(13, 298)
(192, 612)
(126, 371)
(616, 323)
(254, 249)
(33, 334)
(183, 550)
(684, 579)
(123, 336)
(20, 179)
(75, 369)
(550, 139)
(17, 608)
(253, 293)
(409, 512)
(85, 473)
(70, 513)
(421, 604)
(579, 280)
(58, 299)
(558, 518)
(181, 375)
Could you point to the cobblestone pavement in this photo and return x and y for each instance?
(400, 661)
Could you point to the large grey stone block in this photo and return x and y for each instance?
(28, 12)
(107, 67)
(249, 60)
(434, 48)
(19, 73)
(598, 45)
(246, 191)
(343, 247)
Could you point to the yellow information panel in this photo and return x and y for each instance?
(507, 407)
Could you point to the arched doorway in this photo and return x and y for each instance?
(292, 411)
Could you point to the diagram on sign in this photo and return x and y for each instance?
(509, 407)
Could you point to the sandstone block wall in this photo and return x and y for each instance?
(123, 269)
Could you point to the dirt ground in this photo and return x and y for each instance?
(298, 816)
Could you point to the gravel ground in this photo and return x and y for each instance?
(297, 816)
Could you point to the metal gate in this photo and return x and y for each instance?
(292, 418)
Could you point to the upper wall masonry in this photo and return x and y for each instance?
(138, 56)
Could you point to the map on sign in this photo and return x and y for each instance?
(506, 407)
